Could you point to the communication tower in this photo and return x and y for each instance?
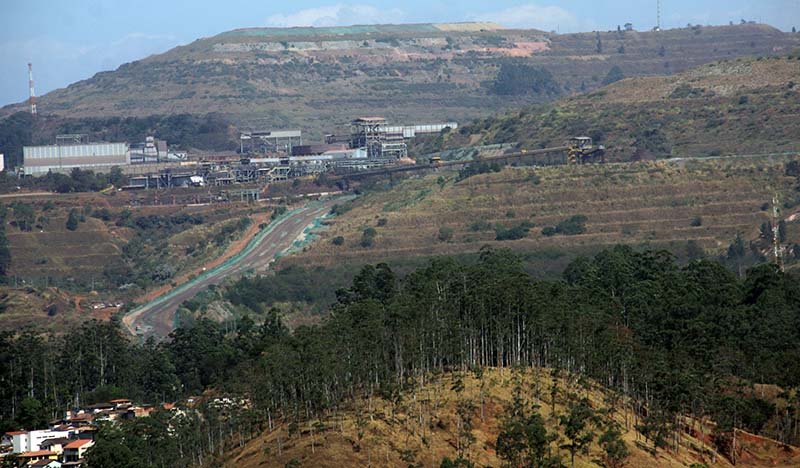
(32, 95)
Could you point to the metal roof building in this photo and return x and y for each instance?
(99, 157)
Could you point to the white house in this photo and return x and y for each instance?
(31, 441)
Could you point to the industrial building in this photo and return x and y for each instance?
(264, 156)
(153, 150)
(100, 157)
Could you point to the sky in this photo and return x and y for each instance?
(71, 40)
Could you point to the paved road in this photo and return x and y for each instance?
(156, 318)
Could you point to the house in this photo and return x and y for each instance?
(121, 402)
(45, 463)
(75, 451)
(80, 418)
(55, 445)
(8, 438)
(36, 455)
(31, 441)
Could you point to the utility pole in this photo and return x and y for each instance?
(32, 93)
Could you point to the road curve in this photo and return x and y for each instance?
(156, 318)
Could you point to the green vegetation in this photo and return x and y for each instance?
(648, 328)
(445, 234)
(516, 78)
(515, 232)
(614, 75)
(72, 220)
(571, 226)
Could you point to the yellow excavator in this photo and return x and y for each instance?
(582, 151)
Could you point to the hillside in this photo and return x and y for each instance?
(320, 78)
(660, 204)
(118, 250)
(741, 106)
(424, 427)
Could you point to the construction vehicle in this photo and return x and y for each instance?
(435, 161)
(580, 150)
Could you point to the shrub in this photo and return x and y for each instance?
(481, 225)
(572, 226)
(513, 233)
(549, 231)
(72, 220)
(382, 222)
(697, 221)
(338, 240)
(614, 75)
(445, 233)
(368, 237)
(277, 212)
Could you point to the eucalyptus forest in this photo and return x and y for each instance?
(671, 339)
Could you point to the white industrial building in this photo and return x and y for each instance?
(99, 157)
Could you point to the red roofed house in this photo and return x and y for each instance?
(29, 457)
(8, 437)
(76, 450)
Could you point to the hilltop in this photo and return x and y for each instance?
(423, 427)
(319, 78)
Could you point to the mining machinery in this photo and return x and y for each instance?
(582, 151)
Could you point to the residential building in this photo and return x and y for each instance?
(31, 441)
(75, 451)
(36, 455)
(45, 463)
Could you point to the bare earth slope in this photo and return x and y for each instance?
(311, 77)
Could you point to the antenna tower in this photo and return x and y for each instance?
(32, 96)
(658, 15)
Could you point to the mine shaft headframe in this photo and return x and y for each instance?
(581, 150)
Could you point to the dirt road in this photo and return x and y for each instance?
(156, 318)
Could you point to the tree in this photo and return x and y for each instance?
(614, 75)
(615, 449)
(575, 428)
(515, 78)
(5, 251)
(694, 251)
(32, 414)
(72, 220)
(445, 234)
(111, 449)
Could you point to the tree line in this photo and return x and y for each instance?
(675, 340)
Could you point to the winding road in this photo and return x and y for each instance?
(157, 317)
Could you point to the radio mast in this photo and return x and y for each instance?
(32, 96)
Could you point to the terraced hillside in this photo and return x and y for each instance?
(742, 106)
(114, 244)
(318, 78)
(663, 204)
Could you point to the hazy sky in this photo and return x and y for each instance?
(70, 40)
